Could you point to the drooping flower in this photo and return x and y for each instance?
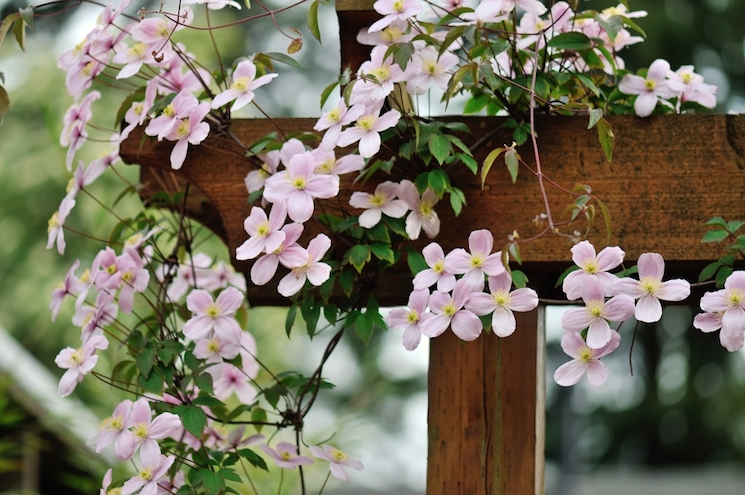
(502, 303)
(650, 288)
(450, 311)
(411, 318)
(229, 379)
(339, 461)
(71, 286)
(286, 456)
(78, 362)
(154, 467)
(266, 266)
(182, 106)
(423, 214)
(265, 234)
(730, 304)
(299, 185)
(597, 313)
(440, 269)
(382, 201)
(214, 316)
(143, 430)
(479, 262)
(242, 89)
(592, 265)
(585, 360)
(306, 265)
(55, 230)
(112, 429)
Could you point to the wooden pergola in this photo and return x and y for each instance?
(486, 418)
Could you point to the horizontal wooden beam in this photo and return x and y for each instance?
(669, 174)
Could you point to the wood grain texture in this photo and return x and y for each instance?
(669, 174)
(483, 412)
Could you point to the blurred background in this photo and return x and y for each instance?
(676, 426)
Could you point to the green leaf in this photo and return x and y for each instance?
(19, 29)
(488, 161)
(346, 282)
(633, 25)
(7, 23)
(330, 312)
(472, 165)
(208, 400)
(439, 146)
(612, 25)
(4, 104)
(230, 475)
(253, 458)
(453, 34)
(589, 83)
(313, 22)
(311, 313)
(204, 382)
(193, 419)
(709, 271)
(606, 217)
(285, 59)
(327, 92)
(363, 326)
(402, 54)
(383, 252)
(358, 256)
(716, 221)
(572, 41)
(415, 260)
(514, 251)
(511, 160)
(145, 360)
(734, 225)
(154, 383)
(379, 233)
(327, 288)
(595, 115)
(290, 320)
(605, 134)
(715, 236)
(456, 203)
(258, 415)
(519, 279)
(476, 103)
(438, 181)
(722, 275)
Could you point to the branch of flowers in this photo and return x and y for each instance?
(238, 22)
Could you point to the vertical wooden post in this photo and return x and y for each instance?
(486, 416)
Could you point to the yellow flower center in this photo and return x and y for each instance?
(146, 474)
(595, 308)
(286, 456)
(412, 317)
(686, 77)
(133, 240)
(650, 285)
(169, 111)
(86, 276)
(439, 267)
(736, 296)
(477, 261)
(88, 68)
(381, 73)
(591, 267)
(212, 311)
(53, 222)
(501, 297)
(263, 229)
(241, 84)
(141, 431)
(76, 357)
(378, 199)
(111, 269)
(585, 354)
(366, 122)
(213, 346)
(128, 276)
(611, 11)
(430, 66)
(338, 455)
(334, 115)
(650, 84)
(398, 6)
(115, 491)
(137, 51)
(449, 309)
(540, 25)
(425, 209)
(70, 184)
(183, 129)
(299, 182)
(326, 167)
(391, 33)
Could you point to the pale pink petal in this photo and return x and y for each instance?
(674, 290)
(570, 373)
(597, 373)
(598, 334)
(582, 253)
(572, 343)
(651, 265)
(648, 309)
(466, 325)
(503, 322)
(576, 319)
(707, 322)
(619, 308)
(523, 300)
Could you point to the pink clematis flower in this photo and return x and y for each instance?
(502, 303)
(298, 186)
(394, 10)
(266, 266)
(189, 130)
(592, 266)
(434, 69)
(381, 202)
(534, 7)
(306, 265)
(229, 380)
(450, 311)
(691, 87)
(479, 262)
(214, 350)
(55, 230)
(265, 233)
(113, 429)
(650, 288)
(411, 318)
(730, 304)
(440, 269)
(367, 131)
(486, 12)
(585, 360)
(78, 362)
(336, 118)
(339, 461)
(214, 316)
(143, 430)
(242, 89)
(182, 106)
(154, 467)
(423, 214)
(649, 89)
(596, 313)
(286, 456)
(71, 286)
(134, 276)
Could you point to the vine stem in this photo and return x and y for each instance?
(538, 170)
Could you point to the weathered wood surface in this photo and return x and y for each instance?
(669, 174)
(486, 413)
